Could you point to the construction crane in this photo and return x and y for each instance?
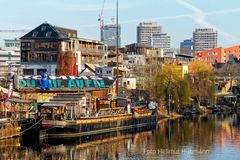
(15, 31)
(101, 21)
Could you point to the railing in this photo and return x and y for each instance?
(93, 51)
(111, 111)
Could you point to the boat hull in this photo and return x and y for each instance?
(92, 126)
(19, 128)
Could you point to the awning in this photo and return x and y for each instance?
(5, 90)
(17, 100)
(53, 105)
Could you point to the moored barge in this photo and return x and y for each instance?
(83, 105)
(96, 125)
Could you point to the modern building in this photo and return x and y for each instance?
(110, 35)
(204, 39)
(9, 63)
(186, 47)
(140, 59)
(159, 40)
(10, 57)
(58, 51)
(146, 30)
(218, 55)
(11, 44)
(135, 49)
(184, 58)
(111, 71)
(139, 54)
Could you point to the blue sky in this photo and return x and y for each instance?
(179, 18)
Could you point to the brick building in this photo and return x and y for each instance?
(59, 51)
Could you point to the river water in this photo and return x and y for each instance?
(206, 137)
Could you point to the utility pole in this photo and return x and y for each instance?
(117, 47)
(169, 103)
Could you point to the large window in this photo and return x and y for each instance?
(46, 45)
(26, 45)
(34, 34)
(28, 72)
(48, 34)
(39, 71)
(43, 28)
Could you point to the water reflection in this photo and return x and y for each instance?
(206, 137)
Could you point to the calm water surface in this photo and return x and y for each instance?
(206, 137)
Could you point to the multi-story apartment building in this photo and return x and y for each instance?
(204, 39)
(10, 57)
(9, 62)
(140, 59)
(186, 47)
(160, 40)
(12, 43)
(218, 55)
(145, 30)
(59, 51)
(109, 35)
(139, 54)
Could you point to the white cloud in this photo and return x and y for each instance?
(226, 11)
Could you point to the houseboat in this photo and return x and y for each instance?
(17, 116)
(73, 106)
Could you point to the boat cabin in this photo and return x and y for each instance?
(53, 111)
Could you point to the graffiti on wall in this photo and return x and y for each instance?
(70, 82)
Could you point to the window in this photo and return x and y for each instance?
(128, 82)
(69, 45)
(53, 58)
(28, 72)
(48, 34)
(41, 70)
(43, 28)
(34, 34)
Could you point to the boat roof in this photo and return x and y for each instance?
(53, 105)
(17, 100)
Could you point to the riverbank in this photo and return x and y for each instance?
(163, 113)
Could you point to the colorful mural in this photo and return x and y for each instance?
(65, 82)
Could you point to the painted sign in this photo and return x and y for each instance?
(63, 82)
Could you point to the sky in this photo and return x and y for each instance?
(178, 18)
